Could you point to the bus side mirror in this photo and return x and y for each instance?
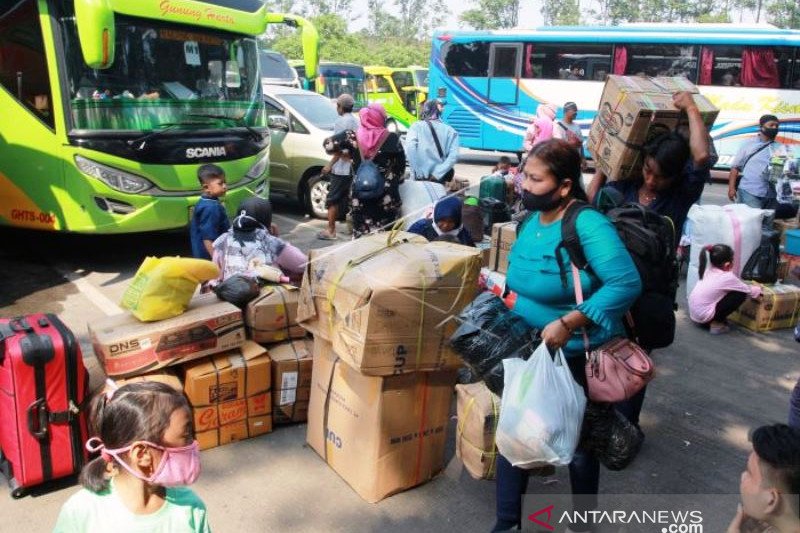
(95, 22)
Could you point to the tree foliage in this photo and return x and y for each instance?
(492, 14)
(363, 48)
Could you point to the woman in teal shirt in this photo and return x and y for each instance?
(552, 182)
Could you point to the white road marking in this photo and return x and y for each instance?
(100, 300)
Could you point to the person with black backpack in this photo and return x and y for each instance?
(379, 163)
(655, 206)
(432, 146)
(547, 300)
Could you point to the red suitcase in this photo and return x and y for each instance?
(43, 392)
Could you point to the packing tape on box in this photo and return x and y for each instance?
(280, 290)
(492, 454)
(297, 370)
(421, 427)
(774, 294)
(391, 242)
(423, 416)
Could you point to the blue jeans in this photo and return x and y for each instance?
(584, 471)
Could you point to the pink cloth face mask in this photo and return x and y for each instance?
(178, 466)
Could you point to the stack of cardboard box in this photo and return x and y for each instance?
(380, 309)
(271, 320)
(228, 380)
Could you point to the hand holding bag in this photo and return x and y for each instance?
(618, 369)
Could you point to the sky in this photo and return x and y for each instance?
(529, 13)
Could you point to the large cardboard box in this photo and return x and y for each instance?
(272, 317)
(386, 301)
(126, 347)
(208, 417)
(243, 429)
(291, 380)
(634, 110)
(503, 236)
(382, 435)
(778, 308)
(478, 412)
(229, 387)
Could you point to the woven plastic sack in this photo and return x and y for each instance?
(541, 411)
(163, 286)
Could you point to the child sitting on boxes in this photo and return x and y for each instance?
(719, 292)
(250, 245)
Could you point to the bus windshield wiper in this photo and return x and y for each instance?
(140, 142)
(239, 121)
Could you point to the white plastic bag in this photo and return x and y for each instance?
(541, 411)
(418, 199)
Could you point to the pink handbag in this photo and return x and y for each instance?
(618, 369)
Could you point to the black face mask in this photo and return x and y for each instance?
(541, 202)
(770, 133)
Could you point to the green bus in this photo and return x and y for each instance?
(335, 78)
(401, 91)
(110, 106)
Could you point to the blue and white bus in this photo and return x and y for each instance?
(492, 81)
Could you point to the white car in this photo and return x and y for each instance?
(299, 122)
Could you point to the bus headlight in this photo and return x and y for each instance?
(259, 167)
(116, 179)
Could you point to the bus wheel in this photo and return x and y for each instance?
(316, 193)
(391, 125)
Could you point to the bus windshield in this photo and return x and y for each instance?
(164, 74)
(340, 79)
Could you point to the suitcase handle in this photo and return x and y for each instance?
(38, 417)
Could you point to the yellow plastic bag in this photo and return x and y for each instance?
(163, 286)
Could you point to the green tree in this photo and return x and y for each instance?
(492, 14)
(784, 13)
(561, 12)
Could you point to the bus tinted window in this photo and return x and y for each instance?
(660, 60)
(378, 84)
(23, 65)
(505, 62)
(746, 66)
(469, 60)
(402, 79)
(566, 61)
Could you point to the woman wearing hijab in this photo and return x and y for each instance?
(446, 223)
(383, 147)
(541, 127)
(250, 244)
(432, 146)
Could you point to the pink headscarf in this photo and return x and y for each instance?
(545, 114)
(372, 130)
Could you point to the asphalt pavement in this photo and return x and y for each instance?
(708, 393)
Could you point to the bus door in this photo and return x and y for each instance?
(505, 65)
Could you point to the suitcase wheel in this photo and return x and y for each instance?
(17, 492)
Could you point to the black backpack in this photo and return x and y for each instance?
(650, 240)
(763, 264)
